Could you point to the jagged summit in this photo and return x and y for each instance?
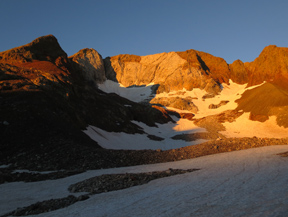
(194, 69)
(172, 71)
(271, 65)
(43, 48)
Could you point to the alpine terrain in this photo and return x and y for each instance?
(155, 135)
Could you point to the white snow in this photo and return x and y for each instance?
(230, 93)
(242, 183)
(243, 127)
(4, 166)
(135, 94)
(112, 140)
(34, 172)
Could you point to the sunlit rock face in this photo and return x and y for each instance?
(239, 73)
(45, 48)
(270, 66)
(35, 64)
(91, 63)
(176, 102)
(172, 71)
(194, 69)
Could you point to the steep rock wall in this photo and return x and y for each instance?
(91, 63)
(172, 71)
(270, 66)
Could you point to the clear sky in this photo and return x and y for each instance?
(231, 29)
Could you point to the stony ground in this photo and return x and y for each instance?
(73, 161)
(78, 159)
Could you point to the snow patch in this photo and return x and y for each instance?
(135, 94)
(4, 166)
(230, 92)
(113, 140)
(35, 172)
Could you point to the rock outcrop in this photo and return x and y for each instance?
(91, 63)
(194, 69)
(45, 48)
(176, 102)
(213, 106)
(270, 66)
(172, 71)
(40, 62)
(239, 73)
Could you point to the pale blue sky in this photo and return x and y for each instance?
(231, 29)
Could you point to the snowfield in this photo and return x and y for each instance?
(135, 94)
(249, 182)
(112, 140)
(242, 127)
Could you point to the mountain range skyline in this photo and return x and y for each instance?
(69, 114)
(228, 29)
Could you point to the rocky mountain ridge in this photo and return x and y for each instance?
(194, 69)
(172, 71)
(48, 99)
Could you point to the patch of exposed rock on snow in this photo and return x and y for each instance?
(230, 93)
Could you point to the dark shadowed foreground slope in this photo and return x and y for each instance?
(46, 102)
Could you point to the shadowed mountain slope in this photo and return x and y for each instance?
(46, 101)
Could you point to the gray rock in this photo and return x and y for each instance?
(91, 63)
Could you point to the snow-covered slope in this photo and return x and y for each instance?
(243, 183)
(241, 127)
(113, 140)
(135, 94)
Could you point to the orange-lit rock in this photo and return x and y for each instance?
(172, 71)
(271, 63)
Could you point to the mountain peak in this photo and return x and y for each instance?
(270, 64)
(42, 48)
